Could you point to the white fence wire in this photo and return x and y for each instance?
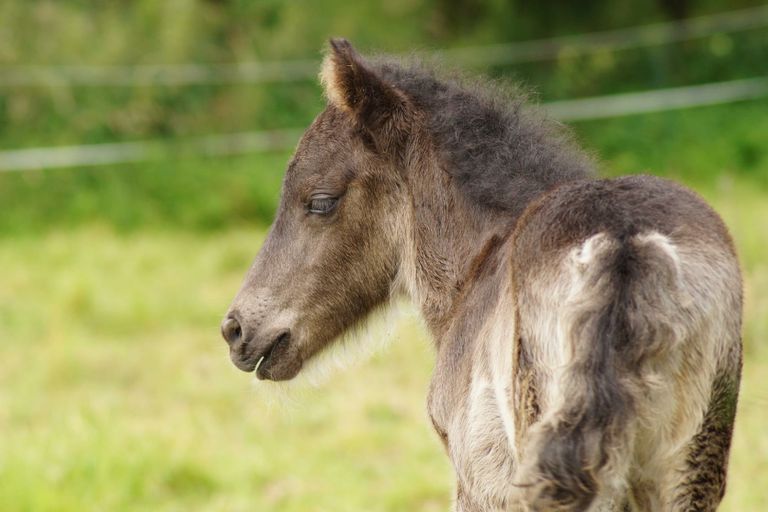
(299, 70)
(658, 100)
(279, 140)
(148, 150)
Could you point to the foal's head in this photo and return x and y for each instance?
(332, 253)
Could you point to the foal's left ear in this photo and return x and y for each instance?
(382, 109)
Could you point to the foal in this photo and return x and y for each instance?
(587, 331)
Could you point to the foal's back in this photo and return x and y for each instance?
(628, 297)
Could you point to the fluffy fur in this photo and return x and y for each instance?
(500, 151)
(586, 331)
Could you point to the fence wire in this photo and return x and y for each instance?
(301, 70)
(280, 140)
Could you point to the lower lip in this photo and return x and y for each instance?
(261, 371)
(265, 359)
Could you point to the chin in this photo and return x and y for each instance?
(279, 370)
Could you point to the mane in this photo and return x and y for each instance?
(501, 150)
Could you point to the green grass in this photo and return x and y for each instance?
(117, 394)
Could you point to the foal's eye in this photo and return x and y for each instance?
(322, 204)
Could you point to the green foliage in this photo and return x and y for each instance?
(195, 194)
(203, 194)
(706, 147)
(703, 145)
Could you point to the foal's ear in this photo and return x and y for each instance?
(381, 108)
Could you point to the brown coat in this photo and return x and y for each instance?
(587, 331)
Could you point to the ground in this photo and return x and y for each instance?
(116, 392)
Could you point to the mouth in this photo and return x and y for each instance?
(270, 356)
(277, 360)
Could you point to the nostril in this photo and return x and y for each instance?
(231, 330)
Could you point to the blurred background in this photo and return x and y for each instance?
(142, 145)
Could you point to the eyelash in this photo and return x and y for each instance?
(322, 205)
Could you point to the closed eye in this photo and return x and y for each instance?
(322, 204)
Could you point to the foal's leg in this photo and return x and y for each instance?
(703, 484)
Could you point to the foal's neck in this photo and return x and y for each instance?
(448, 233)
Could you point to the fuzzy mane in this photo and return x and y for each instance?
(501, 151)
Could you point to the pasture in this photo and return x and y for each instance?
(116, 389)
(116, 392)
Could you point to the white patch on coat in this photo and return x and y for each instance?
(500, 343)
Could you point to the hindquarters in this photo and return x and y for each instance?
(630, 305)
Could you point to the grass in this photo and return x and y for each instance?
(117, 394)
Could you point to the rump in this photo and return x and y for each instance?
(628, 327)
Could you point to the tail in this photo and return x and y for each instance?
(625, 312)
